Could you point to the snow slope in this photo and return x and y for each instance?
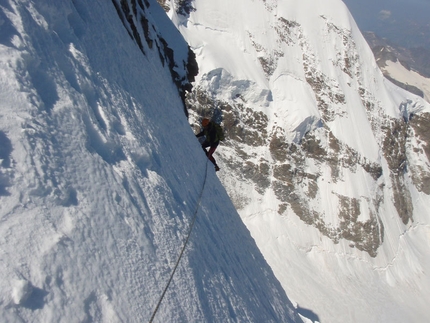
(327, 162)
(100, 175)
(398, 72)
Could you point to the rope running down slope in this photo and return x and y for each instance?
(183, 248)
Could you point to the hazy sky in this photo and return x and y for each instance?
(404, 21)
(368, 11)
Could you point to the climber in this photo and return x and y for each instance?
(213, 134)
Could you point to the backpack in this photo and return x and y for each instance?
(219, 132)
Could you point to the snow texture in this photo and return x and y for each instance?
(287, 60)
(100, 175)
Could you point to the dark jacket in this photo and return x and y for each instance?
(210, 132)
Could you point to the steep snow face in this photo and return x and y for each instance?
(100, 176)
(327, 162)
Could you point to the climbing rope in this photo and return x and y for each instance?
(183, 248)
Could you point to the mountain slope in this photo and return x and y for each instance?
(101, 175)
(327, 162)
(404, 67)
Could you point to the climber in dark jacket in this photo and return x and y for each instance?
(212, 139)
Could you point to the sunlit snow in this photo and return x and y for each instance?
(234, 43)
(100, 175)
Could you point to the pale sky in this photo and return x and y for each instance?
(404, 21)
(368, 10)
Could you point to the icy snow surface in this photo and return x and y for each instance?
(100, 175)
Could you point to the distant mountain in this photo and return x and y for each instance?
(404, 22)
(405, 32)
(398, 32)
(415, 64)
(417, 58)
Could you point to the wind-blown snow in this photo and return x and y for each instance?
(100, 176)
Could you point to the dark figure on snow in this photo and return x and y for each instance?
(213, 134)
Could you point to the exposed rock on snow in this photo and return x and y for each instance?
(100, 175)
(419, 145)
(327, 161)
